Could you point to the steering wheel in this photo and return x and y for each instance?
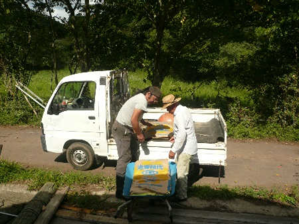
(82, 102)
(77, 103)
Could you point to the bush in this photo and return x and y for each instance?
(18, 112)
(264, 112)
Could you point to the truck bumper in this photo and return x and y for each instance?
(43, 141)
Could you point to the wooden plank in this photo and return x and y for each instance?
(32, 210)
(46, 216)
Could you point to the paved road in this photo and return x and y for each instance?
(259, 163)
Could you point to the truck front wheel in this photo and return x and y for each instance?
(80, 156)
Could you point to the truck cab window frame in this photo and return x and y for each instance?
(73, 96)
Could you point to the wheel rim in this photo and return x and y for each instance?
(79, 157)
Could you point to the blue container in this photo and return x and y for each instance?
(129, 179)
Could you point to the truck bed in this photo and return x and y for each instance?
(211, 135)
(209, 132)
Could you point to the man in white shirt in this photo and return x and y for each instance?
(127, 132)
(184, 142)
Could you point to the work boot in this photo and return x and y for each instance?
(120, 181)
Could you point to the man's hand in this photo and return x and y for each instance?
(171, 139)
(140, 137)
(171, 155)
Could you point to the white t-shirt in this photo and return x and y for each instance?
(136, 102)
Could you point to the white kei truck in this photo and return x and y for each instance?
(79, 115)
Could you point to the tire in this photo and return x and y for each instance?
(80, 156)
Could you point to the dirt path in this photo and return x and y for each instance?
(249, 163)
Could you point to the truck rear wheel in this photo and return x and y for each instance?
(80, 156)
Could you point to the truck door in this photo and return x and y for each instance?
(119, 94)
(72, 114)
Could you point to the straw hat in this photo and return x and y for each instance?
(169, 100)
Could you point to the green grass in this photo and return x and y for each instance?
(245, 130)
(11, 172)
(41, 83)
(16, 111)
(35, 177)
(236, 104)
(288, 196)
(193, 94)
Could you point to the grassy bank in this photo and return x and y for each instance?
(35, 178)
(236, 104)
(11, 172)
(286, 196)
(14, 110)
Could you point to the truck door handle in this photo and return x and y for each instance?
(91, 117)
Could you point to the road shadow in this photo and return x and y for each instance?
(8, 214)
(152, 206)
(100, 161)
(12, 210)
(61, 158)
(196, 172)
(145, 209)
(213, 171)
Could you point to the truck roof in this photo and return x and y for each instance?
(86, 76)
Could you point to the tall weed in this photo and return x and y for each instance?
(15, 110)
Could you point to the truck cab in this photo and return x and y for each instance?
(80, 113)
(78, 116)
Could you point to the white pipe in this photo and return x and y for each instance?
(21, 84)
(4, 213)
(43, 106)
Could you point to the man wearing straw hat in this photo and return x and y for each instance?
(184, 142)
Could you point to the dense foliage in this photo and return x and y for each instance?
(247, 44)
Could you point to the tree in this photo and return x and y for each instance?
(157, 35)
(15, 42)
(55, 31)
(78, 26)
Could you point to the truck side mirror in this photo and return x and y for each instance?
(54, 109)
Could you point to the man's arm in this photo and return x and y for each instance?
(135, 124)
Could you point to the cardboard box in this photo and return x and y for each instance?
(150, 177)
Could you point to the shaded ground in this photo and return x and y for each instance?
(14, 197)
(261, 163)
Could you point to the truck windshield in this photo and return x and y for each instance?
(73, 96)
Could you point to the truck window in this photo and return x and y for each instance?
(73, 96)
